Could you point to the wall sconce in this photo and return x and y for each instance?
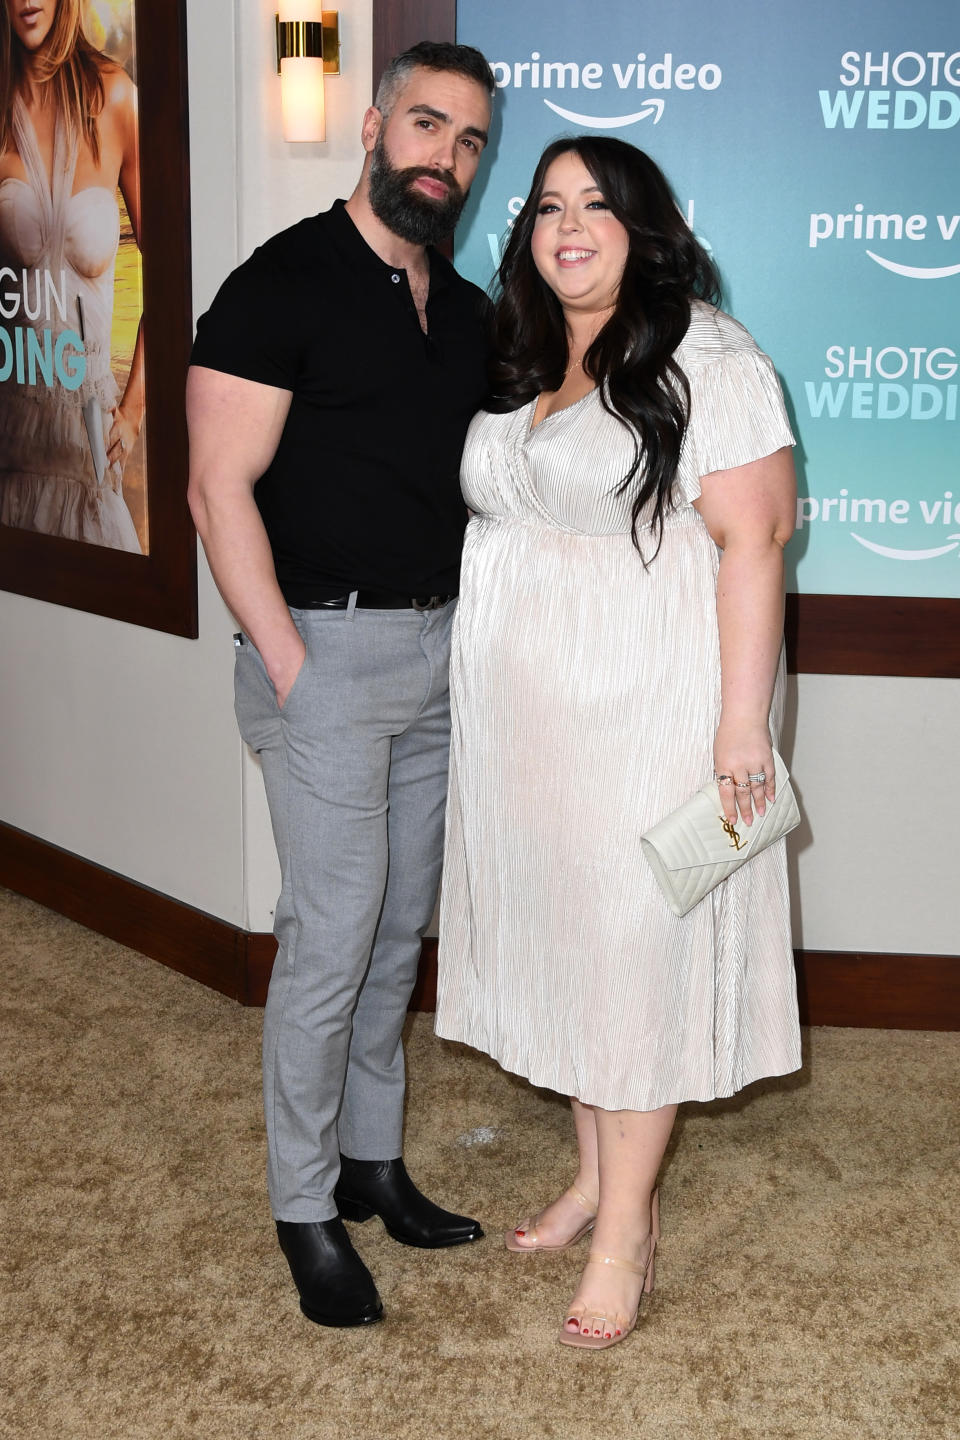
(308, 47)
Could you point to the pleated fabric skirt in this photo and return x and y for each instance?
(586, 696)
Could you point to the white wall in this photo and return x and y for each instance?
(119, 743)
(875, 862)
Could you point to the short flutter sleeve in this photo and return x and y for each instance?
(737, 412)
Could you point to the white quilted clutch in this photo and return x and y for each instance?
(692, 849)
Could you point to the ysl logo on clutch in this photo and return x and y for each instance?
(729, 830)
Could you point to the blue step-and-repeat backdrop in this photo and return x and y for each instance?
(814, 147)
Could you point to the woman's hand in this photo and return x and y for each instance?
(121, 439)
(749, 512)
(743, 762)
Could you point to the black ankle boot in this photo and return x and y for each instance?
(335, 1286)
(383, 1187)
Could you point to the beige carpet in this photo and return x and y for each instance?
(808, 1288)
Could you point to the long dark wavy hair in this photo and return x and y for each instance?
(631, 359)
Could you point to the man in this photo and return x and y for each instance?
(331, 387)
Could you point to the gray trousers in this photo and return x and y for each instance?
(355, 769)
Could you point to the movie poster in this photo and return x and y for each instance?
(72, 383)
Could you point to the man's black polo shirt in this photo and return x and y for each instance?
(364, 489)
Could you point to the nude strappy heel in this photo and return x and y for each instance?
(528, 1228)
(603, 1341)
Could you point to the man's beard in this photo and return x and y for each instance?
(406, 211)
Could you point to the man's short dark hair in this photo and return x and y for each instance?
(440, 55)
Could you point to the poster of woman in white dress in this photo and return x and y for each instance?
(72, 390)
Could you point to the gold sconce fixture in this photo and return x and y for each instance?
(308, 47)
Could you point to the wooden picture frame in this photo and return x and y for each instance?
(826, 634)
(159, 589)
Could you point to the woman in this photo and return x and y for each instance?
(68, 137)
(618, 641)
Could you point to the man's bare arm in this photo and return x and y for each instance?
(235, 427)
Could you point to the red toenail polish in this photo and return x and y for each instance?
(519, 1233)
(618, 1332)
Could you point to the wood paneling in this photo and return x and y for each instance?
(424, 995)
(261, 952)
(873, 635)
(838, 987)
(889, 992)
(398, 24)
(899, 992)
(188, 940)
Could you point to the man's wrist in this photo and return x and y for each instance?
(283, 659)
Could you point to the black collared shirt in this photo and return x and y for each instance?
(364, 490)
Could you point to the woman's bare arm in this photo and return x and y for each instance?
(750, 513)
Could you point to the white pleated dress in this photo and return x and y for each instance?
(586, 696)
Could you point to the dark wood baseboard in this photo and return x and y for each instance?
(836, 987)
(261, 948)
(199, 945)
(220, 955)
(879, 991)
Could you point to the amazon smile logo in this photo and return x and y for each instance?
(654, 108)
(881, 228)
(891, 552)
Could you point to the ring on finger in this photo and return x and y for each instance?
(743, 784)
(724, 779)
(758, 779)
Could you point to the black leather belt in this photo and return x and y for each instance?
(373, 600)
